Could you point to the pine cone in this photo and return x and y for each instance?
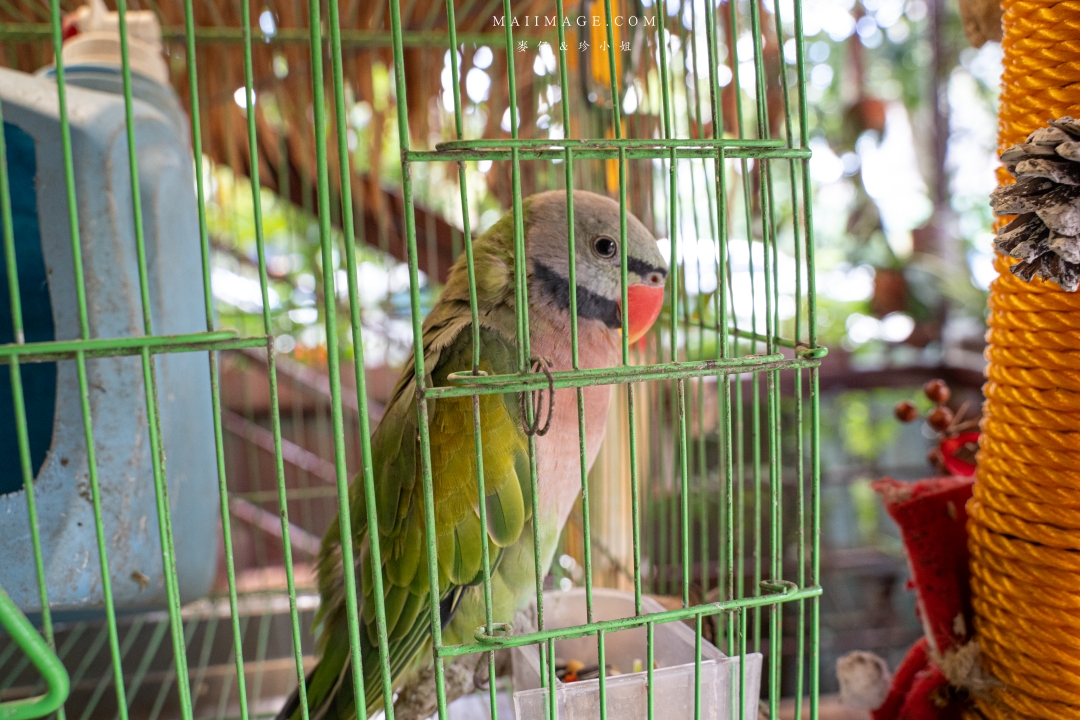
(1045, 235)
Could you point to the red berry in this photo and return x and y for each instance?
(940, 418)
(934, 458)
(937, 391)
(905, 411)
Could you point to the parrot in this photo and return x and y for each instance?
(395, 445)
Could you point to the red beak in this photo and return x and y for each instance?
(643, 304)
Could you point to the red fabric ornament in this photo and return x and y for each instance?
(930, 698)
(932, 516)
(957, 453)
(913, 663)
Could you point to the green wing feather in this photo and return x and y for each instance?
(399, 496)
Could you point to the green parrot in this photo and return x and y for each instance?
(395, 447)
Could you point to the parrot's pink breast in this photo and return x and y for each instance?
(558, 461)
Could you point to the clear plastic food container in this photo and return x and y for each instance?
(626, 650)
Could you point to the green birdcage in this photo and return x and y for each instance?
(702, 512)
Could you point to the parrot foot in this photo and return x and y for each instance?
(482, 676)
(461, 676)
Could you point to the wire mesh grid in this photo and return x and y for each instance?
(718, 404)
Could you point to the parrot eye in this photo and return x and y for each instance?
(605, 247)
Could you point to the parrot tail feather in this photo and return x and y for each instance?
(291, 709)
(292, 705)
(329, 696)
(329, 686)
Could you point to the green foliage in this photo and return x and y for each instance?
(294, 274)
(887, 58)
(867, 509)
(866, 423)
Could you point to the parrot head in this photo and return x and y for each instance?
(598, 251)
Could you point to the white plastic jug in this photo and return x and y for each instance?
(117, 394)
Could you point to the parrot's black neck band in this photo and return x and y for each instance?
(589, 305)
(642, 268)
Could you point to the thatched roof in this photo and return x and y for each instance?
(286, 141)
(285, 135)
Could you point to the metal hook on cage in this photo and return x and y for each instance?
(541, 364)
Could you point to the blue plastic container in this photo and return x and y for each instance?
(117, 394)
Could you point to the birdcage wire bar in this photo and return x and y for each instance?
(751, 446)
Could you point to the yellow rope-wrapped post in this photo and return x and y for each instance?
(1024, 523)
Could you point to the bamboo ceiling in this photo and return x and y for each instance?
(285, 137)
(286, 141)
